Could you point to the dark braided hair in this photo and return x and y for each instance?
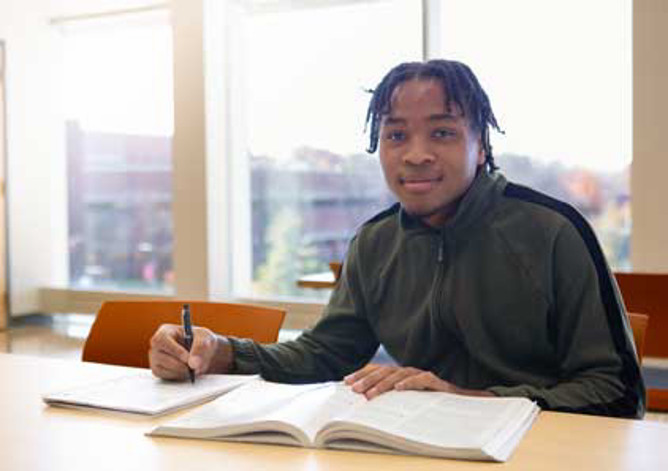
(460, 86)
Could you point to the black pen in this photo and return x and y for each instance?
(188, 335)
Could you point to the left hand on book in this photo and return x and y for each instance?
(373, 380)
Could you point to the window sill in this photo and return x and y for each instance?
(300, 315)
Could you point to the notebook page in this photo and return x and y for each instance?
(143, 393)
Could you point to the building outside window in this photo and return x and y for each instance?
(119, 125)
(306, 75)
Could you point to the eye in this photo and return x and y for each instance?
(395, 136)
(443, 133)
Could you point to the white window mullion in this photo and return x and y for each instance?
(190, 205)
(431, 29)
(228, 170)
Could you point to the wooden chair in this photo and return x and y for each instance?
(325, 280)
(639, 328)
(336, 269)
(122, 330)
(648, 293)
(657, 400)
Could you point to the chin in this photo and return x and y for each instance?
(420, 213)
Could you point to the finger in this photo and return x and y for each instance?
(166, 374)
(171, 363)
(166, 367)
(167, 340)
(361, 373)
(203, 348)
(363, 384)
(388, 382)
(426, 381)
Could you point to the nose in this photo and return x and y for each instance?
(419, 153)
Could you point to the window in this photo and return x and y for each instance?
(305, 73)
(119, 125)
(559, 78)
(296, 175)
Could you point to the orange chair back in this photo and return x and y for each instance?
(639, 328)
(657, 400)
(648, 293)
(122, 330)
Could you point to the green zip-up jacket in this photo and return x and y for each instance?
(513, 295)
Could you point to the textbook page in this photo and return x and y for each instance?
(141, 393)
(422, 422)
(332, 415)
(313, 411)
(266, 412)
(250, 412)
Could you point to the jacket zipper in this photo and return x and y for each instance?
(436, 294)
(438, 282)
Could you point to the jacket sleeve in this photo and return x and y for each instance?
(598, 368)
(341, 342)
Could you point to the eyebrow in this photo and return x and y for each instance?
(389, 119)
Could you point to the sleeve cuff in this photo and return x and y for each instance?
(245, 357)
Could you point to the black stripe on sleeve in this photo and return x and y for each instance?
(632, 403)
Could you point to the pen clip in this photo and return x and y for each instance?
(187, 321)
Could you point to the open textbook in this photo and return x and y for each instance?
(330, 415)
(140, 392)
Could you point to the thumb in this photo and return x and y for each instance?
(199, 351)
(195, 362)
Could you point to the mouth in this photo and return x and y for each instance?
(419, 184)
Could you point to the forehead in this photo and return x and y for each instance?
(421, 97)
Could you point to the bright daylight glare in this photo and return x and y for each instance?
(112, 80)
(558, 75)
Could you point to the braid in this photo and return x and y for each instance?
(460, 86)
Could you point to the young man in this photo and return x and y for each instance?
(472, 284)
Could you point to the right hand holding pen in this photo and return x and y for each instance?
(169, 359)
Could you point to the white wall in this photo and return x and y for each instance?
(35, 167)
(649, 176)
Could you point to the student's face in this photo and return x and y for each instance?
(429, 154)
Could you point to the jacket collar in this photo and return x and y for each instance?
(475, 202)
